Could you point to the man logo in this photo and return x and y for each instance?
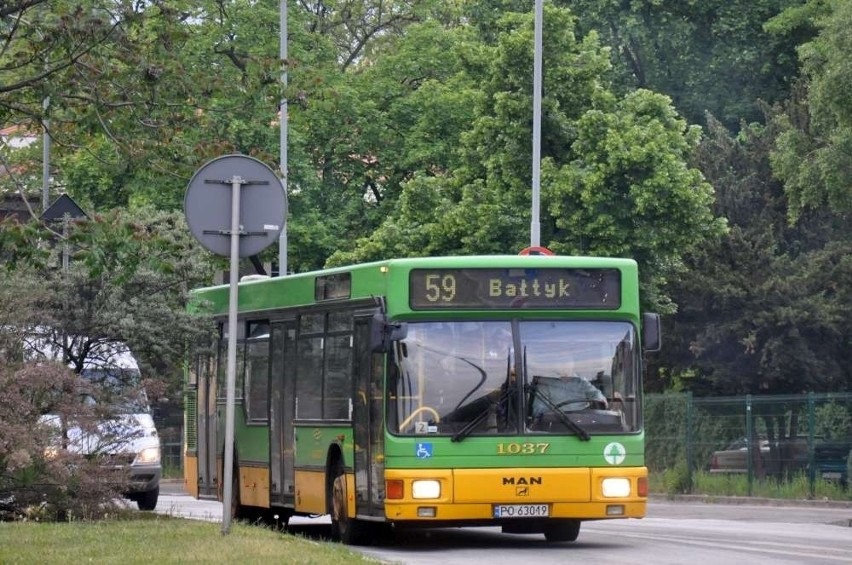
(522, 481)
(522, 491)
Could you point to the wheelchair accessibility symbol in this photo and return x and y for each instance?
(424, 450)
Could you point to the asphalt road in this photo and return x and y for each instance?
(689, 530)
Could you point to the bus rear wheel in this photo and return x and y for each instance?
(237, 510)
(562, 530)
(348, 530)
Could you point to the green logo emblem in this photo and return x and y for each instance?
(614, 453)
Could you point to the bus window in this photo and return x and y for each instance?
(584, 371)
(257, 371)
(309, 378)
(451, 375)
(337, 391)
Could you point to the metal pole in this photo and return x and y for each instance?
(282, 237)
(750, 439)
(535, 226)
(45, 160)
(233, 296)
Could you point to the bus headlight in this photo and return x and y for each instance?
(425, 489)
(147, 456)
(615, 487)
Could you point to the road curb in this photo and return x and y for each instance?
(751, 500)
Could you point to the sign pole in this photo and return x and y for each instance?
(255, 220)
(236, 183)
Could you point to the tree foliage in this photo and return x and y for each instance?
(616, 178)
(410, 128)
(39, 480)
(127, 281)
(813, 147)
(709, 56)
(766, 308)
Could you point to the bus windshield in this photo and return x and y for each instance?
(460, 378)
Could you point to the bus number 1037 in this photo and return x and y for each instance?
(522, 448)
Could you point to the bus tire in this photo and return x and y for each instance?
(237, 511)
(343, 528)
(562, 530)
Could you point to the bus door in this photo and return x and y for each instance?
(207, 468)
(281, 413)
(367, 421)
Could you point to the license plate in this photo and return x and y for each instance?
(521, 510)
(831, 476)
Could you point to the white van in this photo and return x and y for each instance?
(127, 441)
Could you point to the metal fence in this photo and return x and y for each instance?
(756, 436)
(169, 421)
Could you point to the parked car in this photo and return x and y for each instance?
(790, 455)
(734, 458)
(831, 459)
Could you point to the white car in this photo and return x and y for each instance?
(128, 439)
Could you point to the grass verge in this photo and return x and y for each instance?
(794, 488)
(162, 539)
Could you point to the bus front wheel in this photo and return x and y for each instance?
(348, 530)
(562, 530)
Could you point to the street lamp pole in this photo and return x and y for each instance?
(282, 238)
(535, 225)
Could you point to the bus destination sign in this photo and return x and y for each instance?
(545, 289)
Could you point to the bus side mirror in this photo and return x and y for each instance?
(651, 332)
(382, 334)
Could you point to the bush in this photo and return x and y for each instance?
(39, 479)
(833, 420)
(678, 479)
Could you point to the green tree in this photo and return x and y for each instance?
(95, 67)
(140, 94)
(813, 148)
(615, 175)
(631, 192)
(764, 310)
(127, 282)
(709, 56)
(374, 128)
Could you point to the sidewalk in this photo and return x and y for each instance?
(172, 486)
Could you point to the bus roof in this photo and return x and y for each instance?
(390, 278)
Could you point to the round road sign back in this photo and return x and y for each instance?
(263, 204)
(536, 250)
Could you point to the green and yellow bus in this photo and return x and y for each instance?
(430, 392)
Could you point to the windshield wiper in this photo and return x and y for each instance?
(509, 388)
(482, 378)
(569, 423)
(492, 406)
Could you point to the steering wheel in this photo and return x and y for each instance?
(432, 411)
(583, 404)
